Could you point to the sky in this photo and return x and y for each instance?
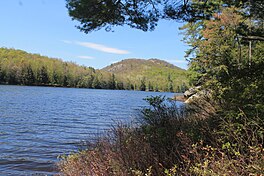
(44, 27)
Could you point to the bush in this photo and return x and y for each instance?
(174, 140)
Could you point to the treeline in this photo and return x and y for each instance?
(18, 67)
(146, 83)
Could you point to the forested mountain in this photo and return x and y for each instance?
(21, 68)
(18, 67)
(152, 74)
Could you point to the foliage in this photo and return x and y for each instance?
(226, 56)
(21, 68)
(221, 133)
(151, 75)
(127, 151)
(143, 15)
(169, 140)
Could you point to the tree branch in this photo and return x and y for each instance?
(258, 38)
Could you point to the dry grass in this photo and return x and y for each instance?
(168, 144)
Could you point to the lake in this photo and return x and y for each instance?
(37, 124)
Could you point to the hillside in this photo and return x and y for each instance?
(18, 67)
(154, 73)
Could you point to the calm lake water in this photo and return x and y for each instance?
(37, 124)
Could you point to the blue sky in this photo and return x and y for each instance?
(44, 27)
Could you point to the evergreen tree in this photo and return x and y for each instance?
(142, 86)
(132, 87)
(43, 75)
(2, 75)
(112, 82)
(120, 85)
(31, 76)
(55, 79)
(156, 88)
(150, 87)
(13, 76)
(65, 81)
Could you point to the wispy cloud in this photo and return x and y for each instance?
(102, 48)
(67, 41)
(98, 47)
(85, 57)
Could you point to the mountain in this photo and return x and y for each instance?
(154, 74)
(21, 68)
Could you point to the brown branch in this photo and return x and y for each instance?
(259, 38)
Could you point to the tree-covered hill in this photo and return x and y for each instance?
(152, 74)
(18, 67)
(21, 68)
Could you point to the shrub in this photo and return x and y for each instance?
(174, 140)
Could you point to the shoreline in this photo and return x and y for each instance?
(180, 98)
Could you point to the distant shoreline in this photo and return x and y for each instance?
(59, 86)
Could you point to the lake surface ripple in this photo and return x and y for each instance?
(37, 124)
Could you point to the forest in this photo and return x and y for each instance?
(18, 67)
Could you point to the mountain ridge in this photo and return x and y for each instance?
(157, 73)
(156, 61)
